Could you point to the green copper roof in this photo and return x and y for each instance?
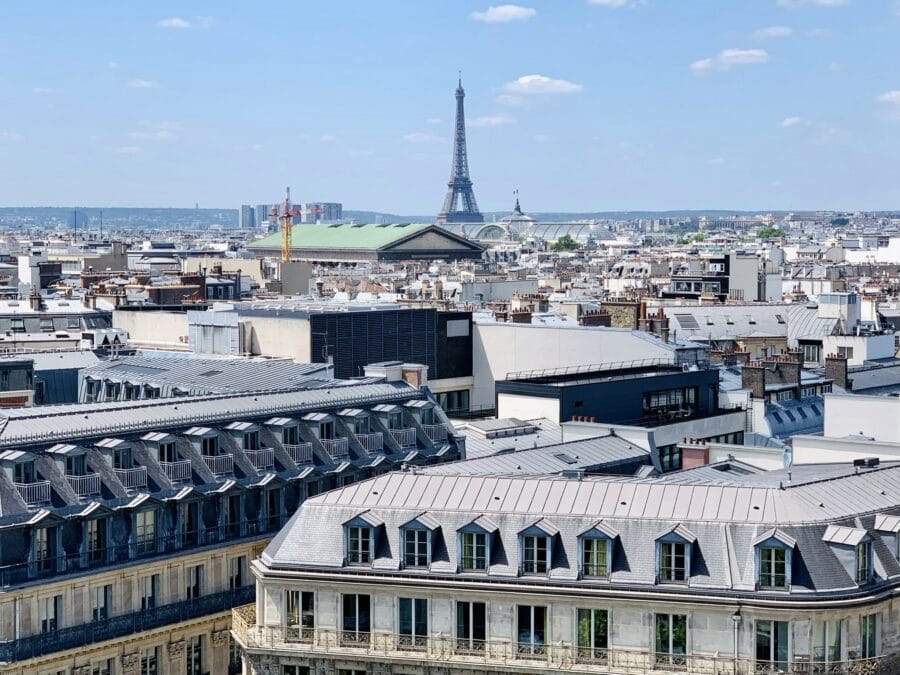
(371, 236)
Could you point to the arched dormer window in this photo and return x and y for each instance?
(417, 537)
(673, 555)
(774, 557)
(595, 550)
(474, 544)
(360, 537)
(536, 547)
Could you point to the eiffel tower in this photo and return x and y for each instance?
(459, 204)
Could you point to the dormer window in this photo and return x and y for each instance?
(360, 538)
(167, 453)
(122, 459)
(774, 550)
(673, 555)
(290, 435)
(536, 547)
(864, 562)
(596, 546)
(76, 465)
(417, 540)
(889, 528)
(475, 544)
(210, 446)
(24, 473)
(852, 546)
(251, 440)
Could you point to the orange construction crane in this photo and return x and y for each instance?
(288, 213)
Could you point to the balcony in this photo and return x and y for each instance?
(300, 454)
(337, 448)
(262, 459)
(34, 493)
(436, 432)
(132, 478)
(125, 624)
(220, 465)
(405, 438)
(85, 486)
(371, 442)
(177, 472)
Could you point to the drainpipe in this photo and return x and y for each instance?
(736, 620)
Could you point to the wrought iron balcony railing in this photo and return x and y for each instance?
(301, 453)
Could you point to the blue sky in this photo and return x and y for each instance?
(578, 104)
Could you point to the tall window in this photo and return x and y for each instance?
(415, 547)
(236, 571)
(104, 667)
(672, 561)
(359, 545)
(868, 631)
(593, 634)
(102, 602)
(167, 453)
(810, 353)
(150, 661)
(826, 641)
(300, 616)
(669, 457)
(594, 562)
(474, 551)
(356, 619)
(772, 567)
(671, 639)
(535, 554)
(209, 446)
(194, 582)
(95, 540)
(149, 591)
(303, 670)
(194, 655)
(251, 440)
(145, 531)
(290, 435)
(471, 625)
(863, 562)
(531, 630)
(51, 611)
(772, 644)
(188, 522)
(413, 622)
(45, 548)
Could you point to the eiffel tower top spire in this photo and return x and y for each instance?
(459, 204)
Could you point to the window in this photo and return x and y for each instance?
(273, 508)
(304, 670)
(415, 547)
(51, 612)
(45, 549)
(807, 392)
(413, 623)
(150, 661)
(786, 395)
(474, 551)
(864, 562)
(772, 645)
(349, 671)
(531, 633)
(236, 571)
(95, 540)
(231, 507)
(355, 615)
(251, 440)
(669, 457)
(188, 518)
(149, 591)
(670, 401)
(122, 459)
(235, 657)
(104, 667)
(592, 627)
(194, 582)
(194, 655)
(167, 453)
(73, 323)
(595, 557)
(300, 616)
(810, 353)
(846, 352)
(290, 436)
(826, 641)
(868, 631)
(359, 545)
(76, 466)
(46, 325)
(535, 554)
(471, 627)
(113, 390)
(102, 602)
(672, 561)
(671, 639)
(772, 567)
(17, 325)
(145, 531)
(210, 446)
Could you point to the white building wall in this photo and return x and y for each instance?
(527, 407)
(877, 417)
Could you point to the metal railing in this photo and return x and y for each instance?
(371, 442)
(177, 471)
(336, 448)
(263, 458)
(132, 478)
(520, 656)
(405, 438)
(301, 453)
(34, 493)
(126, 624)
(436, 432)
(592, 368)
(84, 486)
(219, 464)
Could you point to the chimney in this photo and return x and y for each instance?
(320, 288)
(595, 318)
(694, 453)
(34, 300)
(836, 369)
(753, 377)
(522, 316)
(438, 290)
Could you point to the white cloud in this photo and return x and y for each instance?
(45, 90)
(541, 84)
(503, 14)
(491, 120)
(127, 150)
(616, 4)
(715, 161)
(174, 22)
(819, 33)
(143, 84)
(791, 121)
(792, 4)
(772, 32)
(10, 137)
(509, 99)
(158, 135)
(327, 138)
(892, 97)
(422, 137)
(433, 120)
(727, 58)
